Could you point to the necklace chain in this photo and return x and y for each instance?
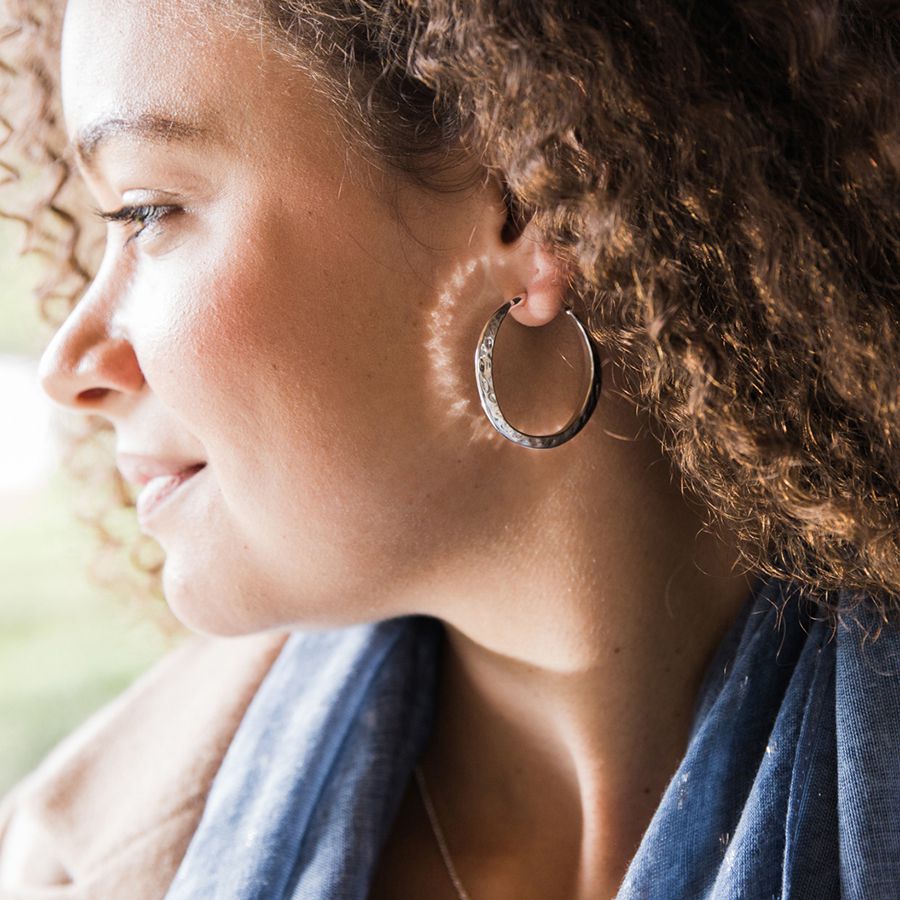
(439, 834)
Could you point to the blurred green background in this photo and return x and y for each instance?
(66, 645)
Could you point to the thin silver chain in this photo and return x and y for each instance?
(439, 835)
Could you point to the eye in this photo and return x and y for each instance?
(142, 217)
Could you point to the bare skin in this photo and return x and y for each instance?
(545, 778)
(304, 324)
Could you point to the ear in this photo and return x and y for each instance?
(537, 275)
(544, 283)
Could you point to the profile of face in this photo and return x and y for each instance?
(301, 321)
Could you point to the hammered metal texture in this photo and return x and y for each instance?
(484, 376)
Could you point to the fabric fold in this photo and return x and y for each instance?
(868, 760)
(311, 783)
(789, 787)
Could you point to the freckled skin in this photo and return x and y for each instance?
(283, 333)
(306, 323)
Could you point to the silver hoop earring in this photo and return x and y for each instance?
(484, 376)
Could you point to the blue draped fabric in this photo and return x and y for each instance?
(789, 788)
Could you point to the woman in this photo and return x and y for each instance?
(593, 626)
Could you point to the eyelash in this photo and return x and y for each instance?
(146, 215)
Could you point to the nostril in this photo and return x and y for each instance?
(82, 365)
(93, 393)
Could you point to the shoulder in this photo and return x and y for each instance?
(123, 793)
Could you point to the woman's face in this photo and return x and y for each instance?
(283, 312)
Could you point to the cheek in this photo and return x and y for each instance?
(298, 364)
(278, 359)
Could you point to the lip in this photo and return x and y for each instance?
(159, 490)
(141, 468)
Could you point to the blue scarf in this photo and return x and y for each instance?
(790, 785)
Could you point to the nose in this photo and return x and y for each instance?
(86, 364)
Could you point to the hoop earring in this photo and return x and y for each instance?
(484, 377)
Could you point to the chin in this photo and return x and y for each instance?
(229, 608)
(204, 609)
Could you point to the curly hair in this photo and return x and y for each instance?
(40, 190)
(722, 179)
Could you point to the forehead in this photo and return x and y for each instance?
(157, 59)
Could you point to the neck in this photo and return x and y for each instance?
(568, 686)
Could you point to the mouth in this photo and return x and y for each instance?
(162, 490)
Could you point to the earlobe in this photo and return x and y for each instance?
(523, 264)
(543, 282)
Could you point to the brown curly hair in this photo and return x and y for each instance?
(723, 178)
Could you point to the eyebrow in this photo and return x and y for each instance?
(150, 126)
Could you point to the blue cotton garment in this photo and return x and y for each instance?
(789, 787)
